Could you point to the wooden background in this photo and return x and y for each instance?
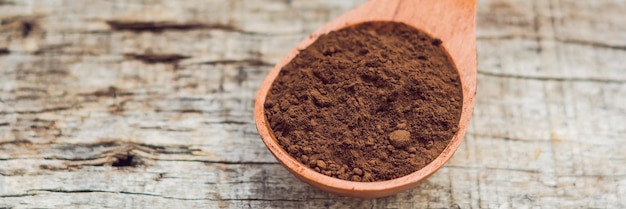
(148, 104)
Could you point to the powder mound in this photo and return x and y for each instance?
(370, 102)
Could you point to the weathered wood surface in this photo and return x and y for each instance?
(148, 104)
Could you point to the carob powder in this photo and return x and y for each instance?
(370, 102)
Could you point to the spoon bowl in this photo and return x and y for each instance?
(452, 21)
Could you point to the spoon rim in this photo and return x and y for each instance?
(378, 188)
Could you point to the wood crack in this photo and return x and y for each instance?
(508, 138)
(34, 191)
(592, 44)
(45, 110)
(252, 62)
(117, 154)
(166, 129)
(141, 26)
(16, 195)
(6, 2)
(547, 78)
(221, 162)
(113, 192)
(160, 26)
(150, 58)
(495, 168)
(560, 40)
(231, 122)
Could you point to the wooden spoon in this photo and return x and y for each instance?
(452, 21)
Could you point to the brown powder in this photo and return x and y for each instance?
(371, 102)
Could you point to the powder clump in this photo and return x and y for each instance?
(400, 138)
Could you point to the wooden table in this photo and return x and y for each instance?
(148, 104)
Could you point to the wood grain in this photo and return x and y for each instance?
(547, 130)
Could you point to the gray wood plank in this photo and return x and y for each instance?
(148, 104)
